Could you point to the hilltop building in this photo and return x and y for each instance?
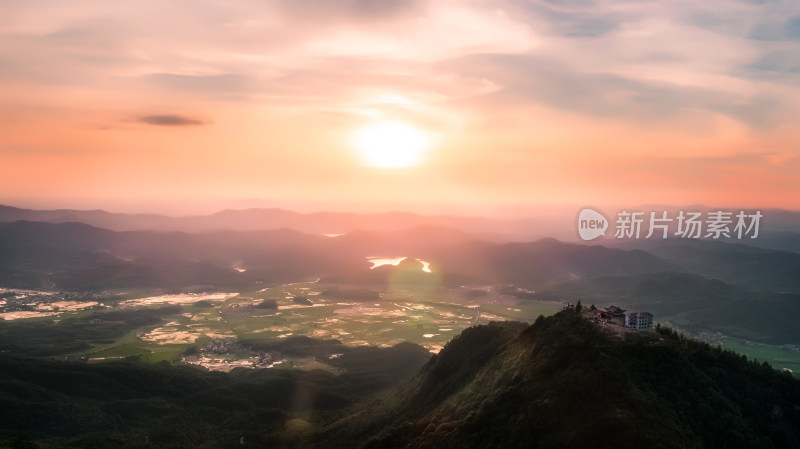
(617, 316)
(639, 320)
(612, 311)
(613, 315)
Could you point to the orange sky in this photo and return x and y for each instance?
(189, 107)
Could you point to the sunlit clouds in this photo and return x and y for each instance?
(510, 103)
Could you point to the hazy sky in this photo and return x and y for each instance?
(199, 105)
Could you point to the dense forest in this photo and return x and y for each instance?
(561, 382)
(566, 382)
(52, 404)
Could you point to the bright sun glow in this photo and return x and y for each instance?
(391, 144)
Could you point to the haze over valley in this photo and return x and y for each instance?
(399, 224)
(421, 284)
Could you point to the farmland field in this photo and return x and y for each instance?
(220, 330)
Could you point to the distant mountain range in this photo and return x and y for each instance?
(76, 256)
(267, 219)
(780, 229)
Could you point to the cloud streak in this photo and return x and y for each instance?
(170, 120)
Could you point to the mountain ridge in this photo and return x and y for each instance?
(291, 255)
(264, 219)
(563, 382)
(778, 230)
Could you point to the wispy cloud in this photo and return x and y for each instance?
(550, 81)
(210, 83)
(170, 120)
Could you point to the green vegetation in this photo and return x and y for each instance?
(125, 404)
(562, 382)
(777, 356)
(566, 383)
(139, 350)
(135, 327)
(268, 304)
(302, 300)
(76, 334)
(352, 294)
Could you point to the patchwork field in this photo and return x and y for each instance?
(220, 330)
(225, 330)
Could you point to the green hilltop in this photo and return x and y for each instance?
(564, 382)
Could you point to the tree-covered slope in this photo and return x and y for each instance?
(565, 382)
(127, 404)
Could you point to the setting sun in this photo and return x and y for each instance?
(391, 144)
